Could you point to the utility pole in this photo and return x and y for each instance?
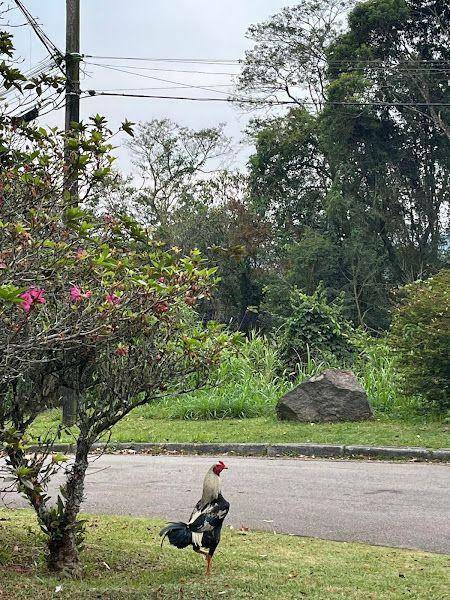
(69, 392)
(72, 62)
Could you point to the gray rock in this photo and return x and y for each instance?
(332, 396)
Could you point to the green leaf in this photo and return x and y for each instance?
(127, 126)
(11, 293)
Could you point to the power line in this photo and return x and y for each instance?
(166, 70)
(396, 68)
(180, 83)
(247, 100)
(38, 104)
(93, 93)
(374, 62)
(46, 65)
(166, 87)
(51, 48)
(56, 106)
(381, 62)
(209, 61)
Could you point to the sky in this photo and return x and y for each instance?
(187, 29)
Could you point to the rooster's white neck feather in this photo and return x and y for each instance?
(211, 487)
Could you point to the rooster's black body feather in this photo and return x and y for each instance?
(203, 530)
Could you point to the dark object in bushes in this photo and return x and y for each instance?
(332, 396)
(420, 340)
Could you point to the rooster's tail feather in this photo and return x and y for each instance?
(178, 533)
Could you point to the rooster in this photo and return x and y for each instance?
(205, 525)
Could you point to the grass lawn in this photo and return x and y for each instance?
(140, 427)
(123, 560)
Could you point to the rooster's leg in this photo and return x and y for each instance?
(208, 564)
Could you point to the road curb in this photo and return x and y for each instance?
(274, 450)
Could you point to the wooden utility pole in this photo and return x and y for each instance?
(73, 57)
(72, 62)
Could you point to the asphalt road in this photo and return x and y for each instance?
(390, 504)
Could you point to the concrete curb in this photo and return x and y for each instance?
(275, 450)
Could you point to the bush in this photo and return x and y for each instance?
(420, 340)
(315, 328)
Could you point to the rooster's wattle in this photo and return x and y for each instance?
(202, 532)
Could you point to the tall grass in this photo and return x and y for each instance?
(375, 370)
(250, 384)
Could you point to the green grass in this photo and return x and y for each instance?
(123, 561)
(138, 427)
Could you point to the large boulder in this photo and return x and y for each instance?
(332, 396)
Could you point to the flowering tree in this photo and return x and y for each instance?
(93, 306)
(89, 306)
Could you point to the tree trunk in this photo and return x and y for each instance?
(63, 554)
(65, 538)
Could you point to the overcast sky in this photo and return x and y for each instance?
(209, 29)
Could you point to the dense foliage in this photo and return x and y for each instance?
(254, 379)
(314, 327)
(358, 188)
(420, 340)
(347, 190)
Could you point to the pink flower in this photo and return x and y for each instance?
(32, 296)
(113, 299)
(77, 294)
(80, 254)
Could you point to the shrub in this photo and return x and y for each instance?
(92, 310)
(315, 328)
(89, 308)
(420, 340)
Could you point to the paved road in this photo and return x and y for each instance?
(392, 504)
